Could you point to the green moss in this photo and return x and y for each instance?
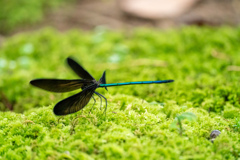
(230, 111)
(139, 118)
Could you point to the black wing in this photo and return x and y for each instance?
(79, 70)
(59, 85)
(102, 80)
(74, 103)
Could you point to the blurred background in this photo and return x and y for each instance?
(37, 36)
(193, 42)
(23, 15)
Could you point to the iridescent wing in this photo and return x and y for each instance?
(59, 85)
(78, 69)
(76, 102)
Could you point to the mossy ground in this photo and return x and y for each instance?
(204, 62)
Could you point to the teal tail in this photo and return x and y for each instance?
(133, 83)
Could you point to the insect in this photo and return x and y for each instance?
(88, 85)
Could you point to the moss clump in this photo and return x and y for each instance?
(202, 61)
(125, 134)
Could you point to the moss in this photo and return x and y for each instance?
(139, 118)
(230, 111)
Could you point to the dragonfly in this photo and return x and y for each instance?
(87, 83)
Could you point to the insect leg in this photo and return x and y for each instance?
(105, 100)
(100, 99)
(92, 105)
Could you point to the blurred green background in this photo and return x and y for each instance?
(15, 14)
(142, 120)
